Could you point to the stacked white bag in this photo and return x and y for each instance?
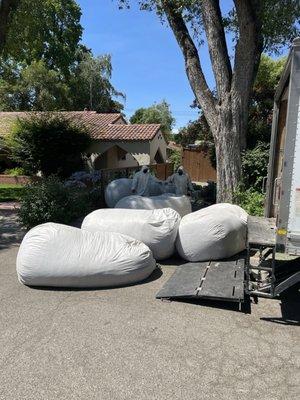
(120, 188)
(181, 204)
(116, 190)
(62, 256)
(212, 233)
(156, 228)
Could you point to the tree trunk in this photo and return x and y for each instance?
(228, 155)
(226, 111)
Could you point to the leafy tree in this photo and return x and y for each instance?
(91, 87)
(49, 30)
(259, 26)
(7, 10)
(158, 113)
(197, 130)
(35, 87)
(48, 143)
(255, 165)
(262, 98)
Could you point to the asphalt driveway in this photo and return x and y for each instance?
(124, 344)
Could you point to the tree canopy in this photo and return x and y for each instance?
(44, 66)
(49, 31)
(158, 113)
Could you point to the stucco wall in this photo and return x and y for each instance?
(158, 142)
(140, 150)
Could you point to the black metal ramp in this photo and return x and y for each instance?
(216, 280)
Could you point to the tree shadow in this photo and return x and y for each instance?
(11, 233)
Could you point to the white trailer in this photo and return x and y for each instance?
(283, 183)
(279, 231)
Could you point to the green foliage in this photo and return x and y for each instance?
(255, 165)
(48, 143)
(91, 87)
(11, 192)
(175, 158)
(250, 200)
(49, 200)
(17, 171)
(34, 87)
(261, 102)
(280, 23)
(49, 30)
(45, 68)
(158, 113)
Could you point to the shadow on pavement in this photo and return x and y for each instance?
(290, 308)
(156, 274)
(11, 233)
(224, 305)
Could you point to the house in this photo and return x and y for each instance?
(115, 144)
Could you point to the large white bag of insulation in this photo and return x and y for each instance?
(213, 233)
(116, 190)
(62, 256)
(120, 188)
(156, 228)
(181, 204)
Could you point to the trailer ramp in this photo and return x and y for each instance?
(215, 280)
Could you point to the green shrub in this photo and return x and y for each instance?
(49, 143)
(255, 165)
(50, 200)
(250, 200)
(175, 158)
(17, 171)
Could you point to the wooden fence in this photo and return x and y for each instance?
(197, 163)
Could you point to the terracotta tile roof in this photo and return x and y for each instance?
(94, 122)
(100, 126)
(130, 132)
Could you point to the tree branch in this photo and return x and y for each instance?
(215, 34)
(192, 63)
(6, 9)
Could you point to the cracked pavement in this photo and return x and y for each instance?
(124, 344)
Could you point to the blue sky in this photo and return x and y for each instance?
(147, 63)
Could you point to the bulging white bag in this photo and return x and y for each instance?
(62, 256)
(181, 204)
(156, 228)
(212, 233)
(116, 190)
(120, 188)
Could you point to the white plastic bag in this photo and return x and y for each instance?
(181, 204)
(116, 190)
(120, 188)
(62, 256)
(156, 228)
(213, 233)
